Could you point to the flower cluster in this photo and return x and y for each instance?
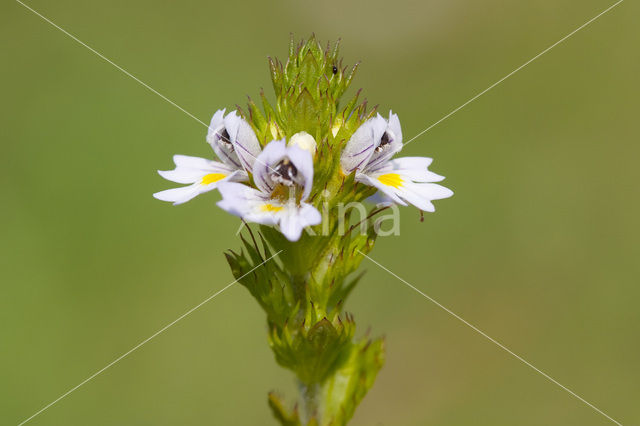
(300, 169)
(277, 179)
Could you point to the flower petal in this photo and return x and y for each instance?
(394, 126)
(389, 143)
(254, 206)
(182, 175)
(217, 122)
(400, 187)
(248, 203)
(263, 167)
(222, 146)
(293, 219)
(414, 168)
(179, 195)
(380, 199)
(385, 189)
(431, 191)
(421, 194)
(360, 147)
(206, 183)
(272, 154)
(191, 162)
(193, 169)
(244, 140)
(303, 161)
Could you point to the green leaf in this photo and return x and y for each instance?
(281, 414)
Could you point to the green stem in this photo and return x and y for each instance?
(310, 397)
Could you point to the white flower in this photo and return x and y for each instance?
(283, 176)
(234, 142)
(403, 180)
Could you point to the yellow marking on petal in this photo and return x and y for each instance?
(391, 179)
(270, 208)
(212, 177)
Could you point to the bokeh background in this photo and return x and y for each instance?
(539, 247)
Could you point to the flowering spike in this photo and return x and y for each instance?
(291, 166)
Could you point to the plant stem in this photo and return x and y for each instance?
(310, 397)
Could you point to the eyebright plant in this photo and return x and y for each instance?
(289, 167)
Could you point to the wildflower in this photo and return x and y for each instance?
(303, 292)
(283, 177)
(233, 141)
(402, 180)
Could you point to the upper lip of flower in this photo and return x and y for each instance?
(372, 144)
(233, 140)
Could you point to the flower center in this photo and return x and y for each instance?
(285, 173)
(225, 139)
(385, 142)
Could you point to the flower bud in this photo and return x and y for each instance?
(303, 140)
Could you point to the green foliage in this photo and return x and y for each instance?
(281, 414)
(349, 384)
(304, 289)
(312, 352)
(308, 94)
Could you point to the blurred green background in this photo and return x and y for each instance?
(539, 247)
